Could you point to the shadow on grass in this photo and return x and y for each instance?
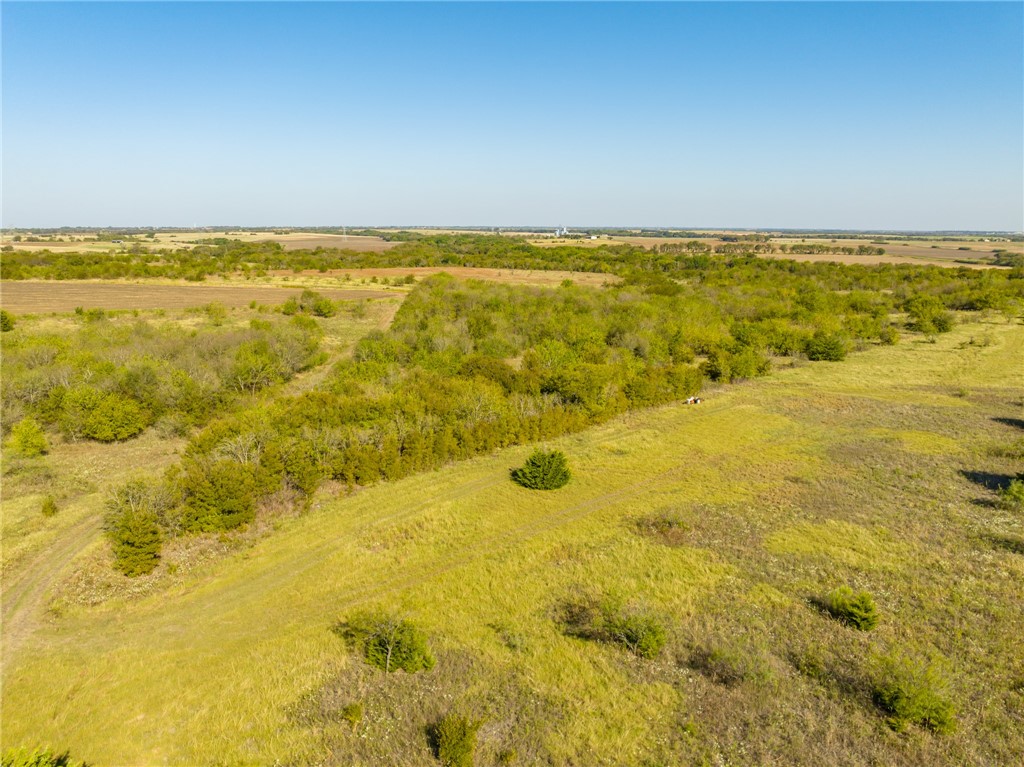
(1012, 543)
(1017, 423)
(988, 479)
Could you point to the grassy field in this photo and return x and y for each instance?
(45, 296)
(878, 472)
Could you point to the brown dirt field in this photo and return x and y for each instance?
(510, 276)
(886, 259)
(304, 240)
(39, 296)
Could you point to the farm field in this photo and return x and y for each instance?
(187, 239)
(877, 472)
(540, 277)
(38, 296)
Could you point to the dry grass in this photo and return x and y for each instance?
(41, 296)
(540, 277)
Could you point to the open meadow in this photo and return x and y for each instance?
(726, 521)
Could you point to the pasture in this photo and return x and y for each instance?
(877, 472)
(39, 297)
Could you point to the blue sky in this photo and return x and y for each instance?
(823, 115)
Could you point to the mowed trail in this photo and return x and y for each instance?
(25, 591)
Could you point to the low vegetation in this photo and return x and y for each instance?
(912, 691)
(856, 609)
(454, 738)
(388, 642)
(543, 470)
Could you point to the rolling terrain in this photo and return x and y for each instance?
(878, 472)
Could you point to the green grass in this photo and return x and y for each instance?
(783, 487)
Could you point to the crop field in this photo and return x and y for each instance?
(727, 520)
(188, 239)
(541, 277)
(35, 296)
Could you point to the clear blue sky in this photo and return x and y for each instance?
(838, 115)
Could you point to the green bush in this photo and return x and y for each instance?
(824, 346)
(88, 412)
(38, 757)
(642, 635)
(132, 523)
(219, 495)
(352, 713)
(889, 336)
(543, 471)
(387, 642)
(856, 609)
(6, 321)
(913, 692)
(136, 541)
(49, 507)
(454, 739)
(1012, 496)
(609, 621)
(28, 439)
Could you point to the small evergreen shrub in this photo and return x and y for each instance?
(824, 346)
(387, 642)
(49, 507)
(353, 714)
(1012, 496)
(912, 692)
(454, 738)
(6, 321)
(856, 609)
(543, 471)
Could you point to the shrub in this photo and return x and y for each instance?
(912, 692)
(454, 739)
(220, 495)
(543, 471)
(856, 609)
(731, 659)
(39, 757)
(135, 537)
(824, 346)
(132, 523)
(353, 714)
(1012, 496)
(88, 412)
(666, 526)
(49, 507)
(889, 336)
(28, 439)
(6, 321)
(609, 621)
(642, 635)
(387, 642)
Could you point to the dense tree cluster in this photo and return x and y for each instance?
(109, 380)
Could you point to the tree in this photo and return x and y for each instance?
(133, 528)
(543, 471)
(388, 642)
(28, 439)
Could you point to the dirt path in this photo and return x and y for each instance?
(23, 595)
